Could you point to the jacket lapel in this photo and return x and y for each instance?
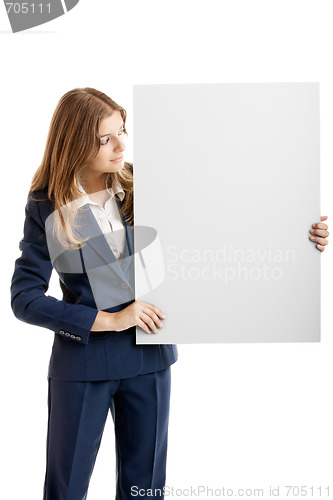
(88, 227)
(129, 243)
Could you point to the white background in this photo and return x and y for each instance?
(242, 415)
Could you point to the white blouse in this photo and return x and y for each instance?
(108, 217)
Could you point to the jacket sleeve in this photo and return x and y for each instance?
(30, 282)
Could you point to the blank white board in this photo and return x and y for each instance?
(226, 176)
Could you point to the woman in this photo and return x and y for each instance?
(82, 189)
(95, 364)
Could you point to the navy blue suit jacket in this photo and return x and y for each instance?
(78, 353)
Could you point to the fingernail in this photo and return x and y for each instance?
(311, 230)
(312, 237)
(163, 316)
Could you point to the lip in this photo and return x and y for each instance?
(118, 159)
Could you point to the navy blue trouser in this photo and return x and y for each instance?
(77, 413)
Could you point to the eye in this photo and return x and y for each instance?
(122, 130)
(105, 141)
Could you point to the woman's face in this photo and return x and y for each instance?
(110, 154)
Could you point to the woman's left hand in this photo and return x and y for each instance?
(319, 233)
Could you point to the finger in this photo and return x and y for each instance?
(321, 248)
(155, 309)
(319, 232)
(153, 316)
(319, 240)
(318, 225)
(323, 217)
(147, 319)
(143, 325)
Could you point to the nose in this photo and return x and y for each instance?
(119, 146)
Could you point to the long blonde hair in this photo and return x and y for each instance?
(72, 142)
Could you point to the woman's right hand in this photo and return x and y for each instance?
(140, 314)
